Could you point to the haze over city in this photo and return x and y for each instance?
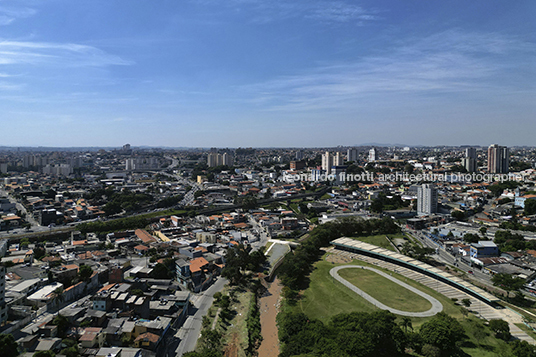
(266, 73)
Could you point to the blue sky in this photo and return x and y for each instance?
(230, 73)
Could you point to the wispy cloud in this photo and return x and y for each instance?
(447, 62)
(262, 11)
(9, 15)
(56, 54)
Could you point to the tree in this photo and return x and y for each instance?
(500, 328)
(479, 334)
(429, 350)
(57, 296)
(530, 207)
(161, 271)
(406, 322)
(457, 215)
(471, 238)
(466, 302)
(63, 324)
(507, 282)
(71, 351)
(522, 349)
(443, 332)
(39, 253)
(85, 272)
(8, 346)
(483, 231)
(47, 353)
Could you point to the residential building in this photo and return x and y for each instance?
(338, 159)
(227, 159)
(372, 156)
(426, 199)
(351, 154)
(498, 159)
(469, 161)
(297, 165)
(327, 162)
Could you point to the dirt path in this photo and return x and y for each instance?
(269, 305)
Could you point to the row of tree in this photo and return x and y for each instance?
(365, 334)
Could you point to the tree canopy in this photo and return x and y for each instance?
(8, 346)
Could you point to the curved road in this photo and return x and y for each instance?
(436, 305)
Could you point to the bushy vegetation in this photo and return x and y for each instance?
(511, 242)
(385, 203)
(498, 188)
(114, 225)
(253, 324)
(238, 260)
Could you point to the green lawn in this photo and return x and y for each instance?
(385, 290)
(379, 240)
(326, 297)
(480, 341)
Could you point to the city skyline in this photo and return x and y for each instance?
(252, 73)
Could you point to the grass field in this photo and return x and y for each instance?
(326, 297)
(385, 290)
(379, 240)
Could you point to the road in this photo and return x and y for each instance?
(263, 236)
(446, 257)
(190, 331)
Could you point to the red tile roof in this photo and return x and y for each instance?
(144, 236)
(197, 264)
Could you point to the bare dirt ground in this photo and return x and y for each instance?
(231, 350)
(269, 305)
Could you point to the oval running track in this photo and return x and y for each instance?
(436, 305)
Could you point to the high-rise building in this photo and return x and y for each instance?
(426, 199)
(299, 155)
(469, 161)
(214, 159)
(351, 154)
(338, 159)
(227, 159)
(498, 159)
(372, 155)
(327, 162)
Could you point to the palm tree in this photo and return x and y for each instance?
(57, 296)
(406, 323)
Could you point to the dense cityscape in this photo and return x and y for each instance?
(267, 178)
(146, 251)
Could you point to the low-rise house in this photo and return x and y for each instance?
(91, 337)
(147, 340)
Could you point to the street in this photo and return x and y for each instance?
(190, 331)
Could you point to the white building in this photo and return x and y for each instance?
(426, 199)
(327, 162)
(372, 156)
